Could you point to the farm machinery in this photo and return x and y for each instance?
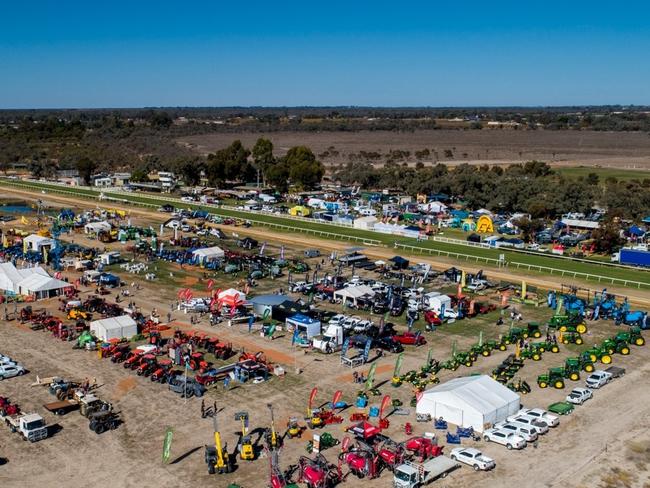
(102, 420)
(318, 472)
(508, 368)
(246, 450)
(217, 457)
(555, 377)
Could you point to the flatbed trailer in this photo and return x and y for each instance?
(62, 407)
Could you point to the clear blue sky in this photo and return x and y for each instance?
(68, 53)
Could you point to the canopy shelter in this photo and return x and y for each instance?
(34, 281)
(353, 293)
(209, 254)
(473, 401)
(114, 328)
(231, 297)
(304, 325)
(37, 243)
(399, 262)
(97, 227)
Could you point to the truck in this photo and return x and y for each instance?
(331, 340)
(414, 475)
(632, 257)
(29, 425)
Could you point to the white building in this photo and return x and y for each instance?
(38, 243)
(114, 328)
(473, 401)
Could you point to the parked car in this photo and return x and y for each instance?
(312, 253)
(579, 395)
(11, 370)
(540, 425)
(505, 438)
(473, 457)
(597, 379)
(7, 361)
(527, 432)
(541, 414)
(410, 338)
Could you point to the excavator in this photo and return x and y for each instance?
(246, 451)
(217, 457)
(273, 441)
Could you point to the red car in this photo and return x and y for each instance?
(410, 338)
(432, 318)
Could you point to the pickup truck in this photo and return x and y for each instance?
(414, 475)
(29, 425)
(597, 379)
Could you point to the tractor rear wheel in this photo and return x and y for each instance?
(589, 368)
(525, 334)
(625, 351)
(542, 384)
(563, 328)
(559, 384)
(537, 334)
(639, 341)
(502, 347)
(574, 376)
(536, 357)
(581, 328)
(579, 340)
(487, 353)
(565, 341)
(99, 429)
(606, 359)
(555, 349)
(211, 469)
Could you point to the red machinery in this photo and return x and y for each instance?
(120, 353)
(197, 362)
(362, 460)
(423, 447)
(7, 408)
(162, 369)
(133, 360)
(148, 365)
(318, 472)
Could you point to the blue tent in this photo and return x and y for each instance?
(636, 231)
(646, 220)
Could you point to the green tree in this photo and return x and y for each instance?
(263, 155)
(529, 227)
(86, 167)
(608, 236)
(304, 170)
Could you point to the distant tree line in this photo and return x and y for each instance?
(532, 187)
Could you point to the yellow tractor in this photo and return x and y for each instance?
(246, 450)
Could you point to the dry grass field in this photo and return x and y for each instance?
(623, 150)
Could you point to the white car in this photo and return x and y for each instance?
(337, 319)
(472, 457)
(7, 361)
(541, 414)
(361, 326)
(579, 395)
(11, 370)
(297, 286)
(527, 432)
(540, 425)
(598, 378)
(188, 199)
(350, 322)
(506, 438)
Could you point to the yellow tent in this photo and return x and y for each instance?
(299, 210)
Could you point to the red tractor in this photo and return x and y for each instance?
(410, 338)
(318, 472)
(197, 362)
(221, 350)
(161, 371)
(423, 447)
(148, 365)
(132, 360)
(120, 353)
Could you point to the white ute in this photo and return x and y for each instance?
(505, 438)
(541, 414)
(579, 395)
(597, 379)
(473, 457)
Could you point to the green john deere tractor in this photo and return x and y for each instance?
(564, 323)
(572, 337)
(615, 345)
(533, 330)
(513, 336)
(632, 336)
(554, 377)
(598, 353)
(546, 346)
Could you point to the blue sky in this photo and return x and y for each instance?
(216, 53)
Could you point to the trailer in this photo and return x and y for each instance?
(30, 426)
(415, 475)
(62, 407)
(615, 371)
(633, 257)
